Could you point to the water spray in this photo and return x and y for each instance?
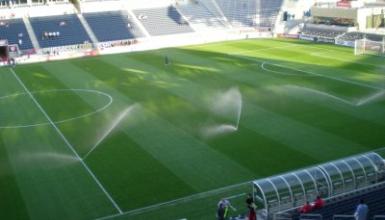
(111, 127)
(227, 105)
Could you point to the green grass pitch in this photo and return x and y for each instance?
(150, 133)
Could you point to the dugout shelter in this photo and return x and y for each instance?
(330, 179)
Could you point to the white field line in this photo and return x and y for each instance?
(321, 54)
(380, 92)
(317, 92)
(258, 60)
(262, 65)
(235, 196)
(326, 54)
(334, 78)
(370, 98)
(179, 201)
(69, 145)
(64, 120)
(282, 73)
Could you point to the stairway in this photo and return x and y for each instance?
(31, 34)
(137, 22)
(88, 29)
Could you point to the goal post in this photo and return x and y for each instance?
(365, 46)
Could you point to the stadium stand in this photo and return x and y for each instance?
(163, 21)
(61, 30)
(244, 12)
(15, 32)
(199, 15)
(239, 13)
(268, 12)
(352, 36)
(320, 32)
(112, 25)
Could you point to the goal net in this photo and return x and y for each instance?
(365, 46)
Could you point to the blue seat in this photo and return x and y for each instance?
(15, 32)
(113, 25)
(163, 21)
(70, 30)
(243, 12)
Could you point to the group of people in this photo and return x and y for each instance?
(308, 207)
(361, 212)
(224, 205)
(50, 35)
(53, 34)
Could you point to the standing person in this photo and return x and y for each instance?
(226, 205)
(252, 211)
(166, 61)
(361, 211)
(249, 200)
(251, 207)
(221, 212)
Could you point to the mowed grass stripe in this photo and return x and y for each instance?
(371, 112)
(280, 124)
(65, 140)
(303, 64)
(15, 104)
(136, 178)
(41, 164)
(281, 103)
(362, 68)
(174, 148)
(278, 130)
(9, 86)
(339, 124)
(51, 181)
(237, 150)
(69, 104)
(264, 78)
(12, 203)
(337, 68)
(194, 93)
(177, 162)
(254, 164)
(129, 177)
(175, 109)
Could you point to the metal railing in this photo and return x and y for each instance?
(311, 217)
(282, 216)
(340, 197)
(336, 217)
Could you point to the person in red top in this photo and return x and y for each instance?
(306, 208)
(252, 212)
(318, 203)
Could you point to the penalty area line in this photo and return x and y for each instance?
(69, 145)
(260, 61)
